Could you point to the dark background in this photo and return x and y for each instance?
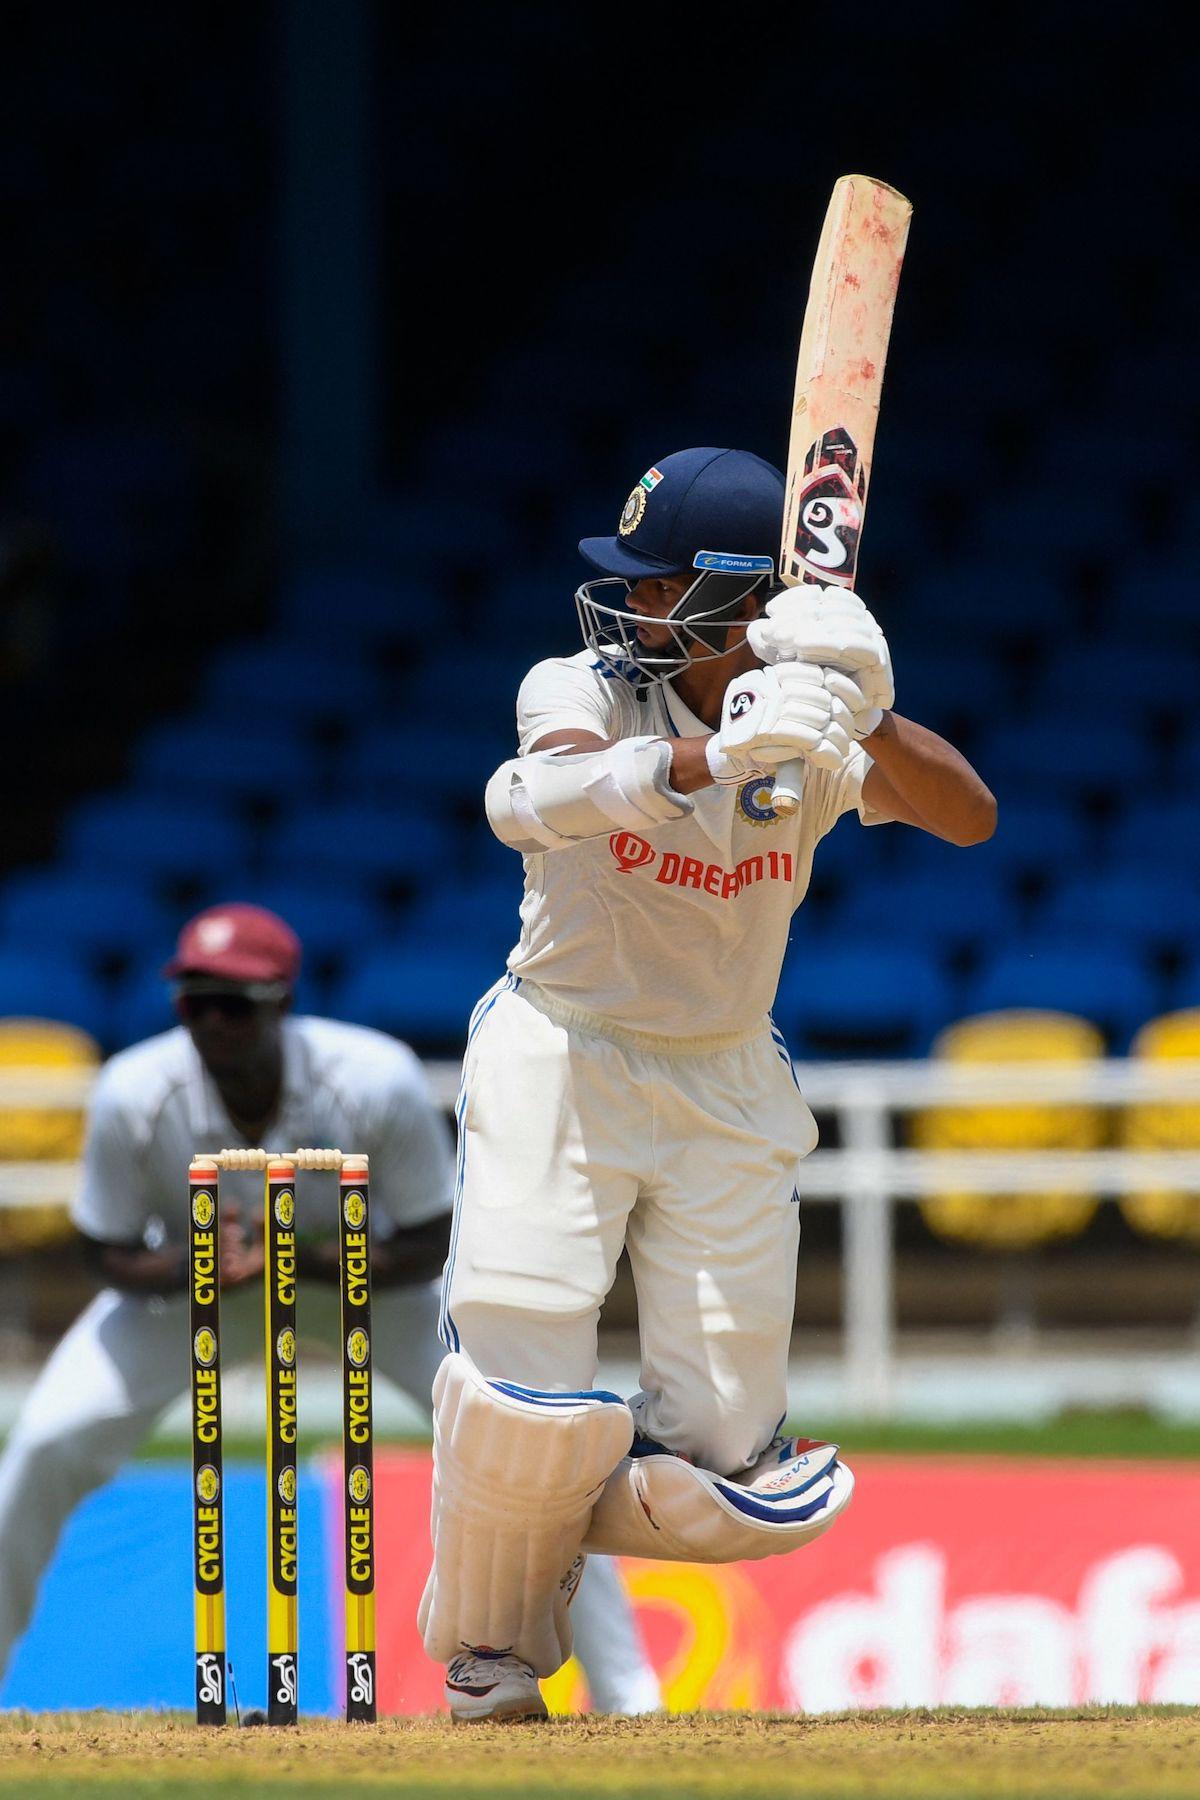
(327, 329)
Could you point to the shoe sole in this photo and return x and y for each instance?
(514, 1712)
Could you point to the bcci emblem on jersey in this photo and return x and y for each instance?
(754, 801)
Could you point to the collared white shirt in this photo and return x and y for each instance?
(679, 931)
(154, 1107)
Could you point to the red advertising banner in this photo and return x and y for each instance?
(974, 1583)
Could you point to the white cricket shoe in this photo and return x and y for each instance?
(483, 1684)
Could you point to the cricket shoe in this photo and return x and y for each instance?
(484, 1684)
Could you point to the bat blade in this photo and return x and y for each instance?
(839, 384)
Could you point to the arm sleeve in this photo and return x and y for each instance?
(843, 793)
(412, 1164)
(564, 696)
(113, 1204)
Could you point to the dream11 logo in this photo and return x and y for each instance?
(630, 851)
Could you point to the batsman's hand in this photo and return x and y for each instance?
(830, 626)
(770, 716)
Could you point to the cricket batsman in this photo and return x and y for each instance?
(240, 1070)
(624, 1085)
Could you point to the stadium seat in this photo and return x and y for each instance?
(1157, 833)
(363, 605)
(969, 908)
(41, 985)
(1102, 983)
(379, 844)
(250, 758)
(1032, 837)
(69, 909)
(454, 765)
(842, 997)
(1130, 677)
(156, 838)
(328, 911)
(1156, 907)
(142, 1007)
(272, 677)
(422, 993)
(1164, 1125)
(1071, 756)
(1011, 1222)
(943, 687)
(481, 914)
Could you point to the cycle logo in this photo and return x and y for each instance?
(285, 1347)
(210, 1679)
(287, 1486)
(358, 1347)
(285, 1671)
(203, 1209)
(355, 1208)
(362, 1678)
(208, 1484)
(359, 1484)
(630, 851)
(285, 1208)
(204, 1345)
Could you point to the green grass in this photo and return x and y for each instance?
(1093, 1753)
(1132, 1435)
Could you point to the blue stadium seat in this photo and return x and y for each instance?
(363, 842)
(82, 913)
(453, 760)
(1101, 983)
(238, 758)
(1041, 525)
(1071, 755)
(960, 601)
(970, 907)
(332, 918)
(937, 686)
(1138, 906)
(840, 996)
(1157, 832)
(157, 838)
(483, 915)
(1031, 837)
(423, 993)
(37, 985)
(277, 678)
(1159, 599)
(363, 605)
(1130, 677)
(142, 1007)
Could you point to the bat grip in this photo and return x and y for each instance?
(789, 787)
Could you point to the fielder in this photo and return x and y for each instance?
(240, 1071)
(624, 1084)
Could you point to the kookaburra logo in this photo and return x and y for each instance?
(361, 1677)
(211, 1679)
(285, 1672)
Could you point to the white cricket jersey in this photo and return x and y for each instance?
(679, 932)
(345, 1087)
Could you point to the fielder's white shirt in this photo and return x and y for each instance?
(154, 1107)
(679, 932)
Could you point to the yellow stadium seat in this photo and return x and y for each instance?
(40, 1133)
(1164, 1125)
(1012, 1222)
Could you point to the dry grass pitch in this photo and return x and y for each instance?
(1120, 1753)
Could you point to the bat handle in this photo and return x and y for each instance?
(789, 787)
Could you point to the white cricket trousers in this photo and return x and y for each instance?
(575, 1140)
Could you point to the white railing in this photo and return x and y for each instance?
(867, 1175)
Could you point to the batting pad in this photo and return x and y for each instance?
(661, 1506)
(516, 1472)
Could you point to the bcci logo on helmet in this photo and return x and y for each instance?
(630, 851)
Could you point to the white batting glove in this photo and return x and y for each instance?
(830, 626)
(772, 715)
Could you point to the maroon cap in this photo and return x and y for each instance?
(237, 943)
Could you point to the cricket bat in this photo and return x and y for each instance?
(839, 381)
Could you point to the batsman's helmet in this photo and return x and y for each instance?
(717, 512)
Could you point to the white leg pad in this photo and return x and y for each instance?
(661, 1506)
(516, 1472)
